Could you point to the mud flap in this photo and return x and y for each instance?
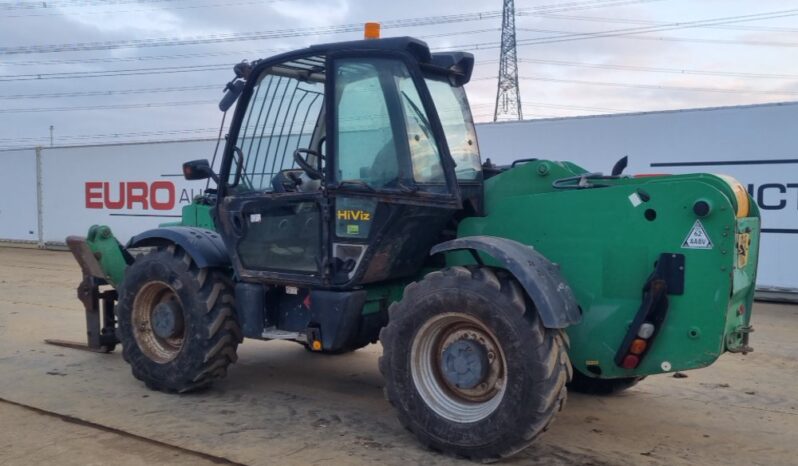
(540, 278)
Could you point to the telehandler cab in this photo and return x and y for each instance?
(352, 207)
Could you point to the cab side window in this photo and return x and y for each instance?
(424, 154)
(365, 145)
(282, 115)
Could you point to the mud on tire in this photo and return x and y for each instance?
(535, 359)
(208, 335)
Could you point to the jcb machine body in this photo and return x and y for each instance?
(352, 206)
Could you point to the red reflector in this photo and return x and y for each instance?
(741, 310)
(306, 301)
(630, 361)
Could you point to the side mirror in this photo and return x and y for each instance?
(199, 170)
(232, 91)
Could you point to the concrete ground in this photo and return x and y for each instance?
(30, 437)
(282, 405)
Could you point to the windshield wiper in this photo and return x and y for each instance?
(425, 126)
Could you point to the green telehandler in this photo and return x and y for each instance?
(351, 206)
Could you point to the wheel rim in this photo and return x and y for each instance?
(457, 387)
(158, 323)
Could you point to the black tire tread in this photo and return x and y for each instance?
(217, 348)
(552, 348)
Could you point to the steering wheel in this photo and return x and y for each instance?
(314, 173)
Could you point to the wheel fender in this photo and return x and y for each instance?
(204, 246)
(540, 278)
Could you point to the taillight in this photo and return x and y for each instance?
(637, 348)
(646, 330)
(630, 361)
(667, 278)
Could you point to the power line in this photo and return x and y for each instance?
(94, 10)
(299, 32)
(108, 107)
(643, 21)
(110, 73)
(204, 55)
(575, 36)
(656, 86)
(75, 3)
(242, 36)
(566, 36)
(30, 146)
(646, 86)
(114, 135)
(222, 66)
(651, 69)
(165, 70)
(674, 39)
(538, 41)
(527, 104)
(103, 60)
(56, 95)
(762, 43)
(663, 27)
(608, 66)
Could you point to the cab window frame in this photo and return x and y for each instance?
(451, 196)
(229, 159)
(478, 175)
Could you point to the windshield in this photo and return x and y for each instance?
(455, 116)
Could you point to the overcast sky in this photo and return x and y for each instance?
(730, 64)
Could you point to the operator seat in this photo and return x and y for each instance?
(385, 168)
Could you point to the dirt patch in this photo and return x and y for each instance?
(283, 405)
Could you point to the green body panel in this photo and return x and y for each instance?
(103, 243)
(108, 252)
(194, 215)
(380, 295)
(606, 249)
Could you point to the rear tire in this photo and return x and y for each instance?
(582, 383)
(195, 343)
(477, 319)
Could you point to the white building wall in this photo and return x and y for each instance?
(758, 145)
(130, 187)
(18, 219)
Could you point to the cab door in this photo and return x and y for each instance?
(271, 213)
(390, 177)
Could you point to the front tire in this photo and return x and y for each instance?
(177, 322)
(469, 366)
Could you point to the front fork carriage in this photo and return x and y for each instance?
(99, 304)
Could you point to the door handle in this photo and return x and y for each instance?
(238, 223)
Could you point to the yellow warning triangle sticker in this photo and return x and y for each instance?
(697, 238)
